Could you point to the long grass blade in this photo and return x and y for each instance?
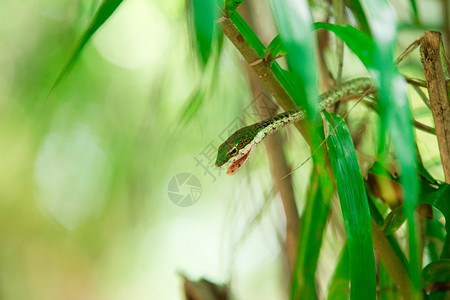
(312, 226)
(355, 209)
(358, 12)
(203, 14)
(340, 281)
(395, 118)
(104, 12)
(294, 23)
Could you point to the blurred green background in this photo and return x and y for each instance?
(84, 205)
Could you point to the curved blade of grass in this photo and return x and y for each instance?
(105, 11)
(294, 23)
(415, 11)
(313, 223)
(340, 281)
(440, 199)
(358, 12)
(360, 43)
(378, 218)
(355, 209)
(394, 221)
(203, 14)
(436, 271)
(395, 117)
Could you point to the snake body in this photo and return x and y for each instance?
(237, 148)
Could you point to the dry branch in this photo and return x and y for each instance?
(431, 50)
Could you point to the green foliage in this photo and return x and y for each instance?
(203, 14)
(294, 24)
(372, 40)
(103, 13)
(340, 281)
(439, 199)
(312, 226)
(359, 43)
(355, 209)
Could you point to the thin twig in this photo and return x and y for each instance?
(422, 95)
(407, 51)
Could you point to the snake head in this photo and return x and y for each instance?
(236, 149)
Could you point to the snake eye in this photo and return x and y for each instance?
(233, 151)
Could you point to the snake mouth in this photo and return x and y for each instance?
(238, 163)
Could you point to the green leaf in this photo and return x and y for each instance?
(203, 14)
(105, 11)
(415, 11)
(360, 43)
(313, 223)
(440, 200)
(294, 23)
(355, 209)
(340, 281)
(395, 117)
(359, 15)
(394, 220)
(275, 48)
(436, 271)
(194, 102)
(378, 218)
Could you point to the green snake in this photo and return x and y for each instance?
(237, 148)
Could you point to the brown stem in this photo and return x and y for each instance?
(279, 166)
(431, 50)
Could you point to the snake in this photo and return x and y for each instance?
(236, 150)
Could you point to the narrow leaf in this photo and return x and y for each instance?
(294, 23)
(355, 209)
(436, 271)
(440, 199)
(415, 11)
(313, 223)
(395, 117)
(360, 43)
(105, 11)
(358, 12)
(394, 220)
(339, 287)
(203, 14)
